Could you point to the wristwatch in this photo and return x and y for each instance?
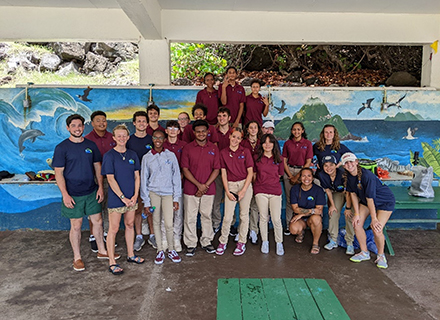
(122, 196)
(347, 208)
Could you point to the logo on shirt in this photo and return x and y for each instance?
(334, 151)
(310, 198)
(241, 157)
(148, 147)
(88, 150)
(131, 161)
(303, 147)
(212, 153)
(340, 188)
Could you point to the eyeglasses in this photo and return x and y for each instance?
(172, 128)
(158, 138)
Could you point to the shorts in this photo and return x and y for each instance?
(122, 210)
(84, 206)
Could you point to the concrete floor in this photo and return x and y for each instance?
(38, 282)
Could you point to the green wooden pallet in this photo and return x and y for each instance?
(277, 299)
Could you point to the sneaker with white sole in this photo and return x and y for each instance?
(138, 243)
(93, 244)
(280, 249)
(220, 249)
(174, 256)
(253, 236)
(160, 258)
(190, 252)
(330, 245)
(239, 249)
(265, 247)
(361, 256)
(350, 250)
(152, 241)
(381, 261)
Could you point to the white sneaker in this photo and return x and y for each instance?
(253, 236)
(265, 247)
(280, 249)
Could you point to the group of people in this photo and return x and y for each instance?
(172, 175)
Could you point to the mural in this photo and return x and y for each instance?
(374, 123)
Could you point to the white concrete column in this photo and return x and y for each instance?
(154, 62)
(425, 80)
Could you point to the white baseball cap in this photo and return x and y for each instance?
(269, 124)
(348, 157)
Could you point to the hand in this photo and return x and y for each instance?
(331, 210)
(198, 194)
(293, 179)
(265, 100)
(230, 196)
(175, 206)
(235, 124)
(100, 195)
(241, 194)
(376, 225)
(348, 213)
(203, 188)
(68, 201)
(133, 201)
(127, 202)
(147, 211)
(296, 218)
(226, 81)
(356, 221)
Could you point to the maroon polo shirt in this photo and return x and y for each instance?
(104, 143)
(236, 163)
(247, 144)
(150, 130)
(268, 176)
(200, 161)
(235, 96)
(297, 152)
(254, 108)
(175, 148)
(189, 136)
(211, 101)
(223, 138)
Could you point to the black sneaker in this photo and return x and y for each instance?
(216, 229)
(233, 231)
(286, 232)
(209, 248)
(93, 244)
(190, 252)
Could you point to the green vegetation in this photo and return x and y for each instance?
(405, 116)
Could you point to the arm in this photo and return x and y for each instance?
(301, 212)
(292, 178)
(223, 96)
(266, 106)
(67, 199)
(100, 192)
(145, 193)
(189, 176)
(348, 206)
(137, 182)
(331, 207)
(307, 163)
(355, 208)
(375, 224)
(247, 182)
(225, 185)
(239, 115)
(177, 183)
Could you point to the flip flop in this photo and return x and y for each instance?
(135, 259)
(300, 238)
(114, 269)
(315, 249)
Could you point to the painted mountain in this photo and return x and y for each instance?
(405, 116)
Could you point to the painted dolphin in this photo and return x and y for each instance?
(30, 134)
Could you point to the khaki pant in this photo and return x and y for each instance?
(164, 209)
(193, 205)
(287, 187)
(272, 202)
(333, 222)
(244, 204)
(253, 216)
(216, 212)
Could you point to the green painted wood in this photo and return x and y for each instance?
(413, 221)
(326, 300)
(302, 300)
(228, 299)
(253, 300)
(405, 201)
(388, 245)
(277, 299)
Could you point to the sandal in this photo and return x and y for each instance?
(115, 269)
(136, 259)
(315, 249)
(300, 238)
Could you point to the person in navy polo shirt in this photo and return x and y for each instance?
(298, 154)
(232, 96)
(209, 97)
(77, 162)
(237, 173)
(141, 143)
(121, 166)
(256, 106)
(153, 113)
(267, 190)
(331, 178)
(370, 197)
(200, 165)
(307, 201)
(199, 113)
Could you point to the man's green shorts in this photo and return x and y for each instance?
(84, 206)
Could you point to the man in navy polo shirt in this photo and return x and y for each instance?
(77, 162)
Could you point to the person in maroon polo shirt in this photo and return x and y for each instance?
(183, 120)
(298, 154)
(223, 131)
(200, 165)
(199, 113)
(153, 113)
(175, 145)
(233, 96)
(256, 105)
(237, 173)
(105, 142)
(251, 141)
(267, 189)
(210, 98)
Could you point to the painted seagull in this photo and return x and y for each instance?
(85, 95)
(410, 134)
(282, 108)
(397, 104)
(365, 106)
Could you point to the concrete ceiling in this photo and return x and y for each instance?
(359, 6)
